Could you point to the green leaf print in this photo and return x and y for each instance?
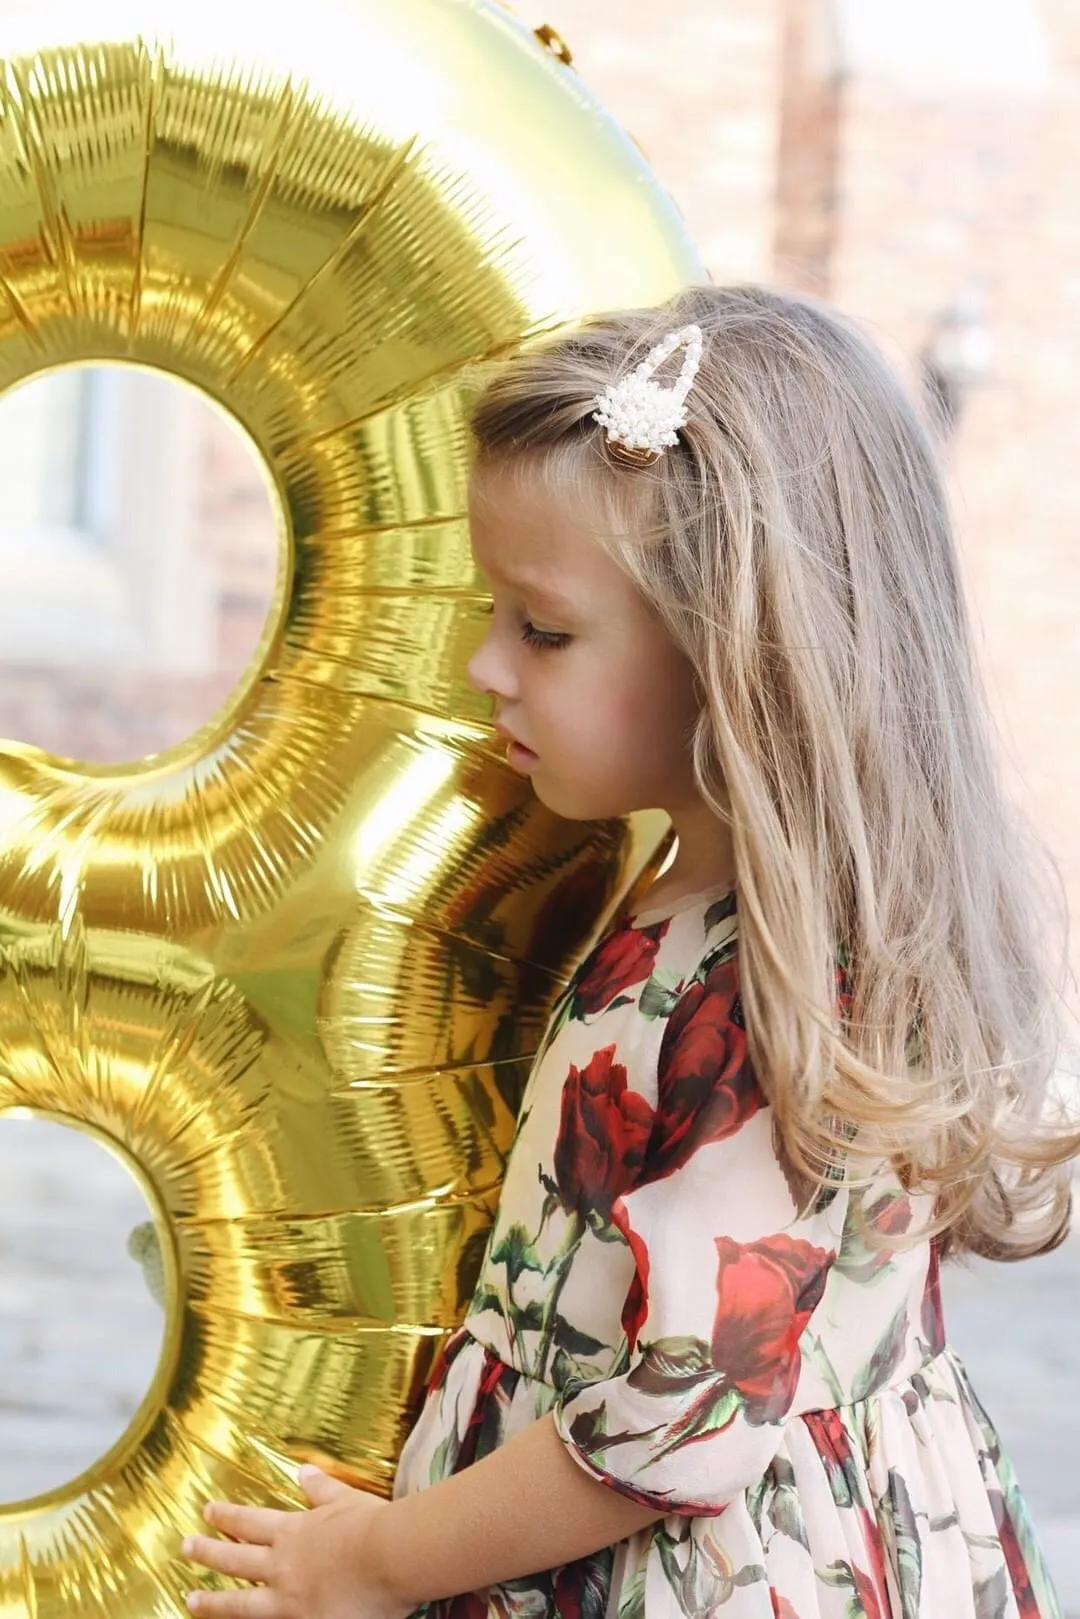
(785, 1509)
(751, 1574)
(718, 910)
(672, 1364)
(885, 1359)
(659, 996)
(715, 958)
(632, 1595)
(573, 1340)
(523, 1598)
(994, 1597)
(528, 1317)
(699, 1576)
(715, 1409)
(442, 1462)
(902, 1527)
(838, 1575)
(843, 1577)
(859, 1259)
(589, 1428)
(862, 1602)
(679, 1365)
(517, 1252)
(813, 1348)
(604, 1230)
(983, 1543)
(485, 1297)
(556, 1273)
(563, 1369)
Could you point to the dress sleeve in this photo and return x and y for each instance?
(727, 1275)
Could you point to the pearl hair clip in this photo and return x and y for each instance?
(642, 417)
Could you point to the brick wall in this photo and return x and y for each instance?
(945, 189)
(894, 194)
(797, 161)
(698, 87)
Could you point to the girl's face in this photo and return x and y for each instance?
(585, 680)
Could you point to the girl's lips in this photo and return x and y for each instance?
(516, 752)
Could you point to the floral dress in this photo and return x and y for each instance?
(710, 1346)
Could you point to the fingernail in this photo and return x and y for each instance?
(208, 1512)
(193, 1601)
(188, 1547)
(308, 1471)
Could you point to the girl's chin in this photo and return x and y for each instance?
(569, 806)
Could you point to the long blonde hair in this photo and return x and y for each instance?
(797, 546)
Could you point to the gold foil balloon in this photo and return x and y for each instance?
(293, 970)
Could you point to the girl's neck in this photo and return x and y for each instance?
(704, 857)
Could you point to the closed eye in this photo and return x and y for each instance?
(543, 638)
(547, 639)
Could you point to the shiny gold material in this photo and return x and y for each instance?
(294, 968)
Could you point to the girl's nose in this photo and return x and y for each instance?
(486, 668)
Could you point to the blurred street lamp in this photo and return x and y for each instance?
(956, 357)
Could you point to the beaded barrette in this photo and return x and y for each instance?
(642, 417)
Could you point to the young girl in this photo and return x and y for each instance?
(704, 1371)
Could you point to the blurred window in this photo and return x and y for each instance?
(139, 553)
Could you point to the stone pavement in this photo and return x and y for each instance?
(79, 1336)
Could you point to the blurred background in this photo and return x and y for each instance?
(139, 554)
(915, 163)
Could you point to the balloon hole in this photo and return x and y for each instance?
(141, 560)
(83, 1280)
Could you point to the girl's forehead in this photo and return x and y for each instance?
(516, 507)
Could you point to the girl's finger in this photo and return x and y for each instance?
(242, 1561)
(257, 1604)
(253, 1524)
(320, 1488)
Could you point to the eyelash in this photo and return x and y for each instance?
(547, 640)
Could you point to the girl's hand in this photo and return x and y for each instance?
(320, 1564)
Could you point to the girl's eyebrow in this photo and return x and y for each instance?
(550, 595)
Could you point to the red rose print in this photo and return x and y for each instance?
(781, 1607)
(706, 1088)
(844, 992)
(603, 1132)
(494, 1376)
(469, 1605)
(766, 1293)
(445, 1356)
(834, 1447)
(890, 1216)
(623, 958)
(579, 1589)
(876, 1579)
(933, 1319)
(636, 1305)
(869, 1595)
(1026, 1600)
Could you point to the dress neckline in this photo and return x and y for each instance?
(643, 918)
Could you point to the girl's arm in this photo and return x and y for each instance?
(528, 1506)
